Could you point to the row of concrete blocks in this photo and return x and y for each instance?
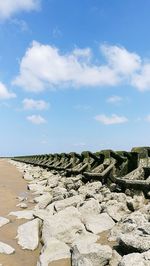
(106, 165)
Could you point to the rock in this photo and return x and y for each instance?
(3, 221)
(91, 255)
(89, 208)
(36, 188)
(128, 224)
(135, 203)
(136, 259)
(53, 180)
(132, 242)
(42, 213)
(117, 211)
(65, 225)
(28, 234)
(90, 188)
(59, 193)
(21, 198)
(73, 182)
(83, 238)
(99, 223)
(72, 201)
(50, 208)
(43, 200)
(145, 229)
(28, 177)
(115, 259)
(119, 197)
(54, 250)
(22, 205)
(6, 249)
(28, 214)
(72, 193)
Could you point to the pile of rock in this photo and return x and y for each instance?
(87, 223)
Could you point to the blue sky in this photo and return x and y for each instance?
(74, 75)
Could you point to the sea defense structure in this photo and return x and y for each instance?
(120, 170)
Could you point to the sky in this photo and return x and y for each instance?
(74, 75)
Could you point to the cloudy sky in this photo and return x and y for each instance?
(74, 75)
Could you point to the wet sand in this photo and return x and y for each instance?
(12, 185)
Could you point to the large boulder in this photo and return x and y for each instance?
(53, 180)
(134, 242)
(43, 200)
(52, 251)
(28, 177)
(116, 210)
(89, 207)
(72, 201)
(90, 189)
(26, 214)
(115, 259)
(28, 234)
(136, 259)
(99, 223)
(85, 237)
(91, 255)
(65, 225)
(128, 224)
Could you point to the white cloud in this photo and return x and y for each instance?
(22, 24)
(121, 60)
(141, 80)
(10, 7)
(110, 120)
(36, 119)
(56, 69)
(30, 104)
(4, 93)
(78, 69)
(114, 99)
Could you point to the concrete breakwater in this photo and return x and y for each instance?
(124, 169)
(89, 209)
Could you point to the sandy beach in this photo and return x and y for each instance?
(13, 185)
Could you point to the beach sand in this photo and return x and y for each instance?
(12, 185)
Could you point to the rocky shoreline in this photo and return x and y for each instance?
(90, 224)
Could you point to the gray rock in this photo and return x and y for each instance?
(65, 225)
(22, 205)
(6, 249)
(72, 201)
(90, 188)
(27, 214)
(99, 223)
(28, 234)
(91, 255)
(3, 221)
(133, 242)
(85, 237)
(117, 210)
(115, 259)
(52, 251)
(136, 259)
(89, 208)
(43, 200)
(28, 177)
(128, 224)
